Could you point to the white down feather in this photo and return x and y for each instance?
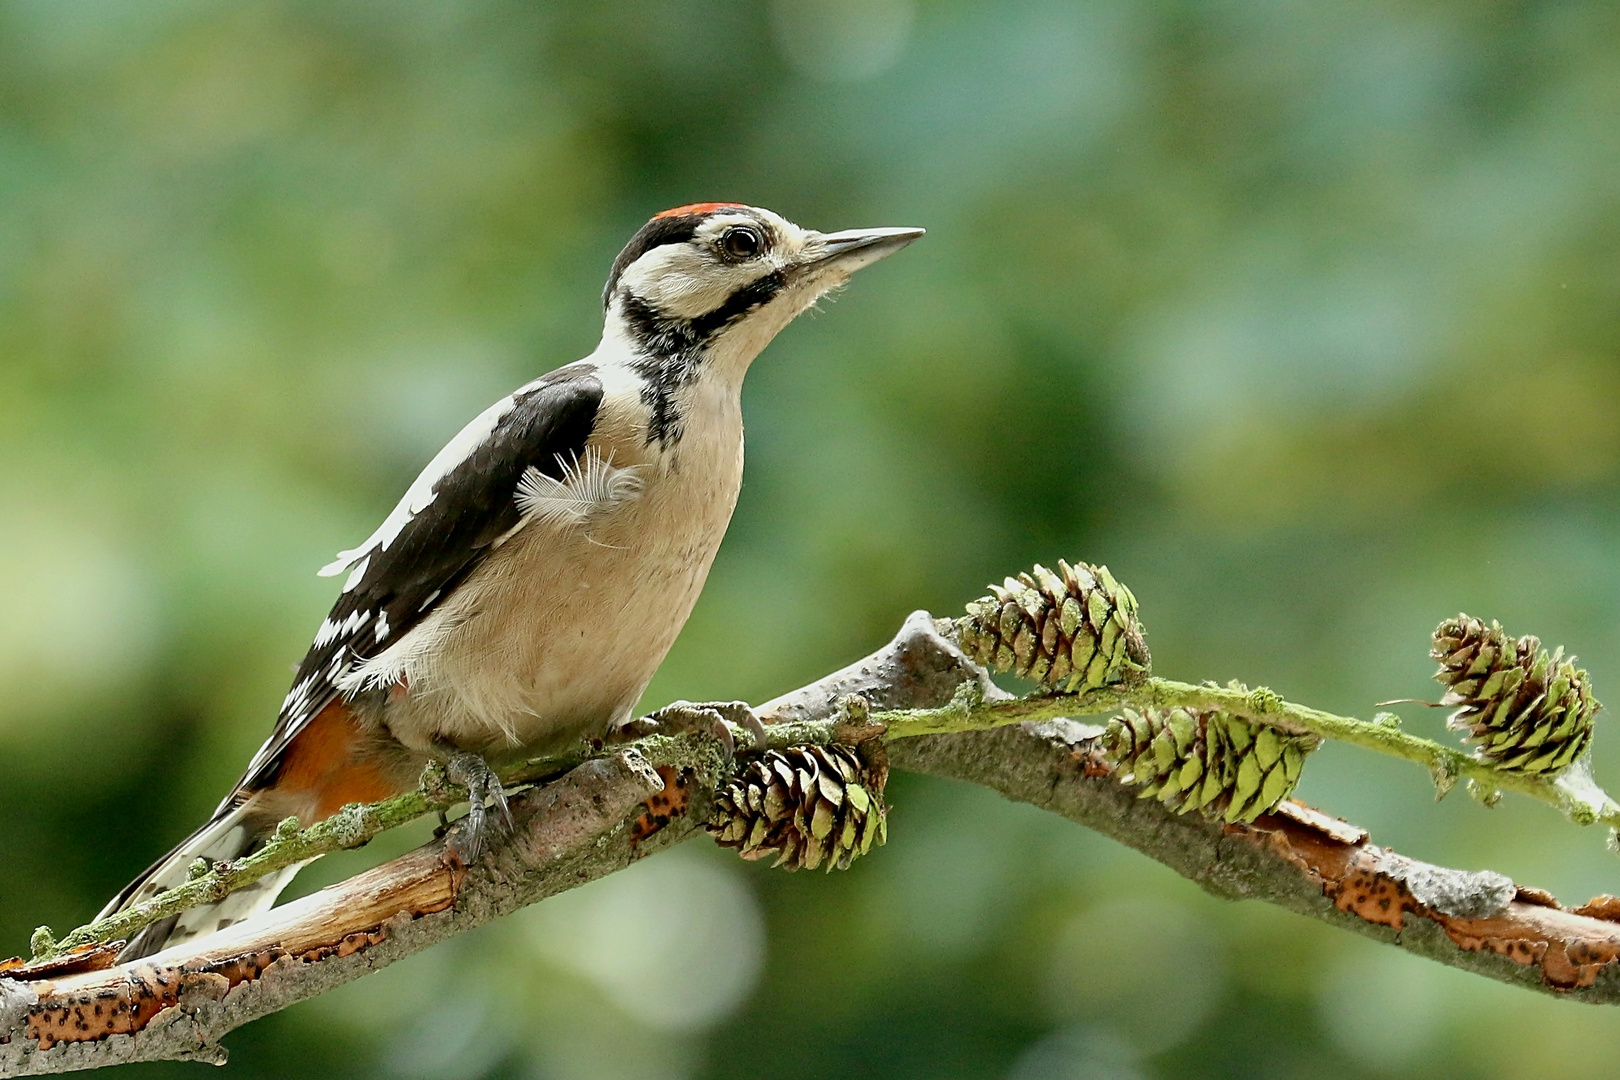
(590, 485)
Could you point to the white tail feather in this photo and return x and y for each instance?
(244, 903)
(226, 837)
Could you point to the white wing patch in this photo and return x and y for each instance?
(356, 574)
(590, 486)
(330, 631)
(420, 495)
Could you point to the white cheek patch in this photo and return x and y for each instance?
(590, 486)
(677, 280)
(684, 282)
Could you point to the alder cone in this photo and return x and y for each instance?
(1194, 759)
(809, 806)
(1525, 709)
(1074, 630)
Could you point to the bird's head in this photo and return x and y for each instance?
(722, 278)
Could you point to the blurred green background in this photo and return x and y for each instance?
(1303, 317)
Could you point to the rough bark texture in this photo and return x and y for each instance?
(1301, 860)
(178, 1003)
(608, 812)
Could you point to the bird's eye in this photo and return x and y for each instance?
(741, 242)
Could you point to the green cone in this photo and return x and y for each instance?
(1075, 630)
(1205, 760)
(1525, 709)
(810, 806)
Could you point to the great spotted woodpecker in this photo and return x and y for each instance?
(525, 589)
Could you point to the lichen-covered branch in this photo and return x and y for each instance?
(351, 827)
(1076, 632)
(82, 1010)
(1118, 678)
(1573, 792)
(178, 1003)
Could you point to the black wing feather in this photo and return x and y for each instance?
(473, 506)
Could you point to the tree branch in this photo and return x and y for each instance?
(83, 1011)
(1302, 860)
(1573, 791)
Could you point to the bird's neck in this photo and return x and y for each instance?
(680, 382)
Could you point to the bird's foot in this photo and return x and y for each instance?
(487, 812)
(716, 718)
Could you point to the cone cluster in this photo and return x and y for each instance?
(1525, 709)
(1074, 630)
(1204, 760)
(809, 806)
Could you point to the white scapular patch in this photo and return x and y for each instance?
(356, 574)
(590, 485)
(382, 626)
(420, 495)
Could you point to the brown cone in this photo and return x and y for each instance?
(1525, 709)
(809, 806)
(1075, 630)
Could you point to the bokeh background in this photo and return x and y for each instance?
(1303, 317)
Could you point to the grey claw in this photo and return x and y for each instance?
(722, 731)
(472, 772)
(714, 718)
(741, 714)
(503, 812)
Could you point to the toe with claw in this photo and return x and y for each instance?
(716, 718)
(484, 795)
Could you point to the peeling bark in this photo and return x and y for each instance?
(82, 1011)
(1476, 920)
(178, 1003)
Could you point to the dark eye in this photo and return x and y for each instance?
(741, 242)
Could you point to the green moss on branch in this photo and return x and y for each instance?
(1573, 792)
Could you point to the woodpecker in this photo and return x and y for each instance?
(529, 583)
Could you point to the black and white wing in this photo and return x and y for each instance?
(463, 503)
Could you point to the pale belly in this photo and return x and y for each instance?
(559, 631)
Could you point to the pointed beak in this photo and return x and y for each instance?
(852, 249)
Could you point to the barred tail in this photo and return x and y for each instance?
(228, 836)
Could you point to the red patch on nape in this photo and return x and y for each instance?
(698, 208)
